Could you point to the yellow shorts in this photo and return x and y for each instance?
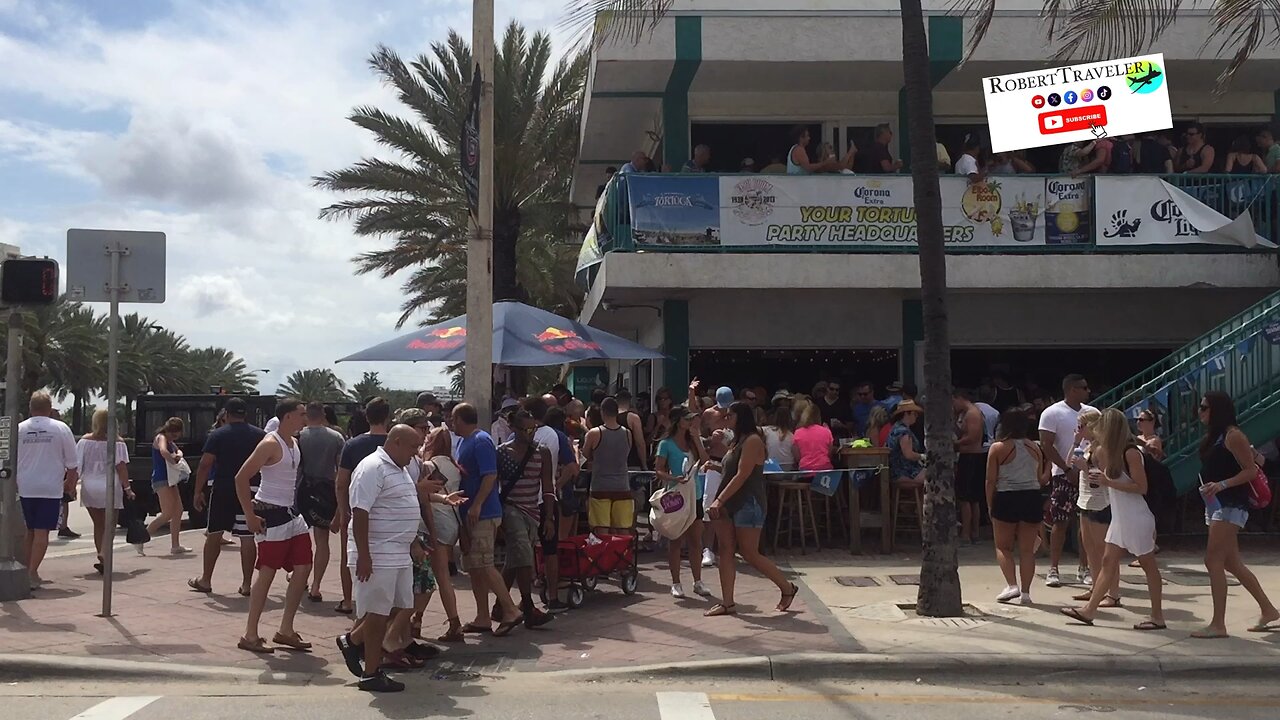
(603, 513)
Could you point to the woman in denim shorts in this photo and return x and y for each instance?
(1227, 468)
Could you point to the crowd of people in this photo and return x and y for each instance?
(1156, 152)
(414, 494)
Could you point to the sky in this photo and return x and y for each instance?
(206, 120)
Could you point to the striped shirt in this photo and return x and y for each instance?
(385, 490)
(526, 494)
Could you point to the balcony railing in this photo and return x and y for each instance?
(1014, 214)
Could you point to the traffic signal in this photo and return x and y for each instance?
(28, 281)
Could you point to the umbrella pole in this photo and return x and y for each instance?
(479, 355)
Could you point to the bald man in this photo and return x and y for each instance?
(385, 514)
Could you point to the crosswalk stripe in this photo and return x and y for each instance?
(117, 708)
(684, 706)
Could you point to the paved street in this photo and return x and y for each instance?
(527, 698)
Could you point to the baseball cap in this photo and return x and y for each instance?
(724, 397)
(895, 386)
(427, 398)
(782, 395)
(236, 407)
(411, 416)
(509, 403)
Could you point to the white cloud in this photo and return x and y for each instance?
(232, 107)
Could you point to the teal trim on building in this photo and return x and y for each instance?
(912, 332)
(946, 49)
(675, 101)
(675, 344)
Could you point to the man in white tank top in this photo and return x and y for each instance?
(284, 541)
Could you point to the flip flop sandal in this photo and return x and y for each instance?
(244, 592)
(1110, 601)
(1084, 596)
(315, 598)
(788, 598)
(342, 610)
(1075, 614)
(196, 586)
(454, 634)
(400, 661)
(258, 646)
(1150, 625)
(721, 610)
(296, 642)
(504, 629)
(421, 651)
(1272, 626)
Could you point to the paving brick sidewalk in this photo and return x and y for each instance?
(156, 617)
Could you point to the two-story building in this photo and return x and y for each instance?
(770, 279)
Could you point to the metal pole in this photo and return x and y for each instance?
(15, 582)
(479, 356)
(113, 341)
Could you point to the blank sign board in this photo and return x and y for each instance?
(142, 266)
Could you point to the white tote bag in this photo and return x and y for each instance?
(672, 509)
(177, 472)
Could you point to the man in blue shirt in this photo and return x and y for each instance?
(864, 399)
(478, 458)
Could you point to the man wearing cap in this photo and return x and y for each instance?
(428, 404)
(895, 396)
(715, 428)
(225, 451)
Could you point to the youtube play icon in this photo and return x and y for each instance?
(1081, 118)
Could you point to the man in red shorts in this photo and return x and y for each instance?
(284, 540)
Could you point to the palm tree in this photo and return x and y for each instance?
(63, 349)
(219, 366)
(315, 385)
(370, 385)
(419, 199)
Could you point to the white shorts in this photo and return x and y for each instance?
(386, 588)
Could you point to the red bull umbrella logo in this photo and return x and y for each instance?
(562, 341)
(441, 339)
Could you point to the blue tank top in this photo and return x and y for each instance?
(159, 473)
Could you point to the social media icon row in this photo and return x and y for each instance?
(1070, 97)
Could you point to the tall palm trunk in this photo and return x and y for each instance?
(939, 594)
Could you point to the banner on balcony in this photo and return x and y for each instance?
(674, 209)
(1146, 210)
(798, 210)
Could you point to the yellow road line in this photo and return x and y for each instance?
(969, 699)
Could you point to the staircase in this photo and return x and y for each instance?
(1240, 356)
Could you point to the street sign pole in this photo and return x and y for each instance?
(114, 250)
(15, 582)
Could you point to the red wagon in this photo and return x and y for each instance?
(583, 563)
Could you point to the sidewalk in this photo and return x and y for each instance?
(158, 619)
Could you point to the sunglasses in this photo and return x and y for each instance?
(1146, 419)
(1203, 407)
(833, 388)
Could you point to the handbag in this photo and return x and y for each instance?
(1259, 491)
(178, 472)
(672, 509)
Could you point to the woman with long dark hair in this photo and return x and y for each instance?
(738, 511)
(165, 454)
(678, 451)
(658, 423)
(780, 438)
(1016, 471)
(1226, 469)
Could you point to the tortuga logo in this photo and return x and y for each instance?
(441, 339)
(559, 341)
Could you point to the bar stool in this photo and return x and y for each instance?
(836, 504)
(913, 500)
(795, 499)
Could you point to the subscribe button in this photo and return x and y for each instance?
(1061, 121)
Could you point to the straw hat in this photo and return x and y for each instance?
(905, 407)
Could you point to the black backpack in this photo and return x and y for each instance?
(1121, 157)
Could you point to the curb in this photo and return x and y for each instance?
(24, 667)
(801, 667)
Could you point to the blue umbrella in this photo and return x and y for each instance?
(522, 336)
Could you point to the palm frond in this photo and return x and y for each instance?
(1241, 26)
(1094, 30)
(602, 21)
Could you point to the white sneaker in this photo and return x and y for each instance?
(1024, 599)
(1084, 577)
(677, 591)
(1010, 593)
(141, 549)
(1051, 579)
(179, 550)
(708, 558)
(701, 588)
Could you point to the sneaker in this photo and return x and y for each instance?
(702, 589)
(708, 558)
(1083, 576)
(141, 549)
(179, 550)
(1024, 599)
(68, 533)
(555, 607)
(535, 618)
(353, 654)
(677, 591)
(1051, 578)
(1010, 593)
(380, 683)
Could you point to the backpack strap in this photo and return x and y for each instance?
(510, 484)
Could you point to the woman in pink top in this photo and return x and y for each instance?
(814, 441)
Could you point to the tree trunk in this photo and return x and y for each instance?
(77, 412)
(939, 594)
